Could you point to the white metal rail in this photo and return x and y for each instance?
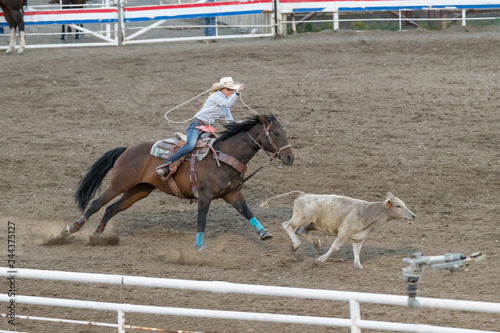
(354, 298)
(113, 23)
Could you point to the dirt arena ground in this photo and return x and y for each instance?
(415, 113)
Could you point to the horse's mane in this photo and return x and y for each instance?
(234, 128)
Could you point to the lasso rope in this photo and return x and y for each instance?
(185, 121)
(249, 108)
(172, 109)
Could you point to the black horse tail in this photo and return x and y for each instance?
(92, 180)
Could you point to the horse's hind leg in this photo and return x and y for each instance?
(12, 26)
(19, 18)
(130, 197)
(16, 20)
(237, 200)
(106, 197)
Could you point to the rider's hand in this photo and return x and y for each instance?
(240, 89)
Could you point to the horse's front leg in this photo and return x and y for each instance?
(203, 206)
(12, 42)
(237, 200)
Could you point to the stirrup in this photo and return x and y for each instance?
(162, 171)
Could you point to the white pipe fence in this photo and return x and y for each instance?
(354, 298)
(114, 23)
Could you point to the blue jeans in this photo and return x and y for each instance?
(192, 134)
(209, 26)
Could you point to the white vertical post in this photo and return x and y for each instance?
(279, 28)
(336, 20)
(121, 25)
(400, 27)
(355, 315)
(107, 26)
(216, 26)
(464, 19)
(121, 321)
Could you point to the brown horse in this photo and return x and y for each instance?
(14, 15)
(134, 174)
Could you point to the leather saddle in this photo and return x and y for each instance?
(167, 147)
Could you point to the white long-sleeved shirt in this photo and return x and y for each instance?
(216, 107)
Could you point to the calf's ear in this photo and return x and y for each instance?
(388, 203)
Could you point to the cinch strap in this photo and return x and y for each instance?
(256, 224)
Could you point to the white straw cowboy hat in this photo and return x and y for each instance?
(226, 82)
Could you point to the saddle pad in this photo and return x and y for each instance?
(161, 152)
(165, 148)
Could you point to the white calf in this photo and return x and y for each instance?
(344, 217)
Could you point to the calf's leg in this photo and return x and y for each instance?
(304, 232)
(342, 237)
(356, 248)
(291, 225)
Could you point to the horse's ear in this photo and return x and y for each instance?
(262, 119)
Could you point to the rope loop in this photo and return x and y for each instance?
(172, 109)
(185, 121)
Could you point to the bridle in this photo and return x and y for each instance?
(276, 153)
(277, 150)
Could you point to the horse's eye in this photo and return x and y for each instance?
(276, 133)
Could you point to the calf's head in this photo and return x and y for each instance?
(396, 208)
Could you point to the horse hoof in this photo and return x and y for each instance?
(65, 231)
(200, 248)
(265, 235)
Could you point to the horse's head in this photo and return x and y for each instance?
(265, 131)
(272, 138)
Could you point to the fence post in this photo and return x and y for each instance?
(399, 19)
(120, 25)
(355, 315)
(336, 20)
(121, 321)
